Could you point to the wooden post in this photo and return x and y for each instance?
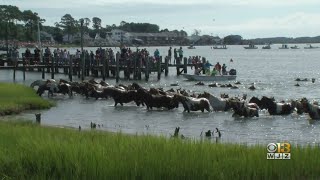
(159, 67)
(127, 71)
(117, 66)
(48, 64)
(52, 67)
(42, 61)
(185, 65)
(38, 118)
(147, 69)
(56, 61)
(70, 68)
(178, 66)
(24, 68)
(79, 67)
(139, 68)
(83, 58)
(166, 66)
(135, 60)
(103, 59)
(14, 71)
(203, 62)
(107, 65)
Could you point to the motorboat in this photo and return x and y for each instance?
(251, 46)
(284, 46)
(266, 46)
(191, 47)
(232, 75)
(192, 77)
(311, 47)
(220, 47)
(294, 47)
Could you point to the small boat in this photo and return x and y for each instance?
(191, 47)
(266, 46)
(284, 46)
(220, 47)
(294, 47)
(251, 46)
(311, 47)
(192, 77)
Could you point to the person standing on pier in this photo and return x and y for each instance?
(15, 57)
(180, 55)
(175, 55)
(218, 67)
(27, 55)
(169, 54)
(37, 55)
(157, 55)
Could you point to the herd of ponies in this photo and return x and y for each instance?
(172, 98)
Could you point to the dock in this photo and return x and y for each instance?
(104, 67)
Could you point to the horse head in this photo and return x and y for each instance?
(267, 102)
(136, 86)
(255, 100)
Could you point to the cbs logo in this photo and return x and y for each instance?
(279, 148)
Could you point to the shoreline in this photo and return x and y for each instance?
(68, 153)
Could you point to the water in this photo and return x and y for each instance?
(273, 72)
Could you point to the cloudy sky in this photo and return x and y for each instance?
(248, 18)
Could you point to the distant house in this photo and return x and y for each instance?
(76, 38)
(116, 35)
(46, 37)
(153, 38)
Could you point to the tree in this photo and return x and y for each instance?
(108, 28)
(123, 23)
(68, 24)
(96, 23)
(8, 15)
(232, 39)
(87, 22)
(30, 20)
(196, 32)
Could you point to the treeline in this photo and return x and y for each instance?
(22, 25)
(285, 40)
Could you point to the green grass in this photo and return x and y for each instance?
(15, 98)
(29, 151)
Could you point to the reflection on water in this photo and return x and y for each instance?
(273, 72)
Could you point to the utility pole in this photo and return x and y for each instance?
(82, 53)
(39, 43)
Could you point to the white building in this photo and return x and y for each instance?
(76, 38)
(117, 35)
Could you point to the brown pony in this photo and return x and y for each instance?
(192, 104)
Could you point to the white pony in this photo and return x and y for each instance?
(313, 110)
(192, 104)
(217, 103)
(41, 82)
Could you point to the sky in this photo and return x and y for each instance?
(248, 18)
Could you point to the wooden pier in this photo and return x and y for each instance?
(105, 68)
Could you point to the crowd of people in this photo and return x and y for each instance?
(127, 56)
(217, 69)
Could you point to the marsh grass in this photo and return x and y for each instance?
(29, 151)
(15, 98)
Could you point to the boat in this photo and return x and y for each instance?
(311, 47)
(266, 46)
(251, 46)
(294, 47)
(284, 46)
(192, 77)
(220, 47)
(191, 47)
